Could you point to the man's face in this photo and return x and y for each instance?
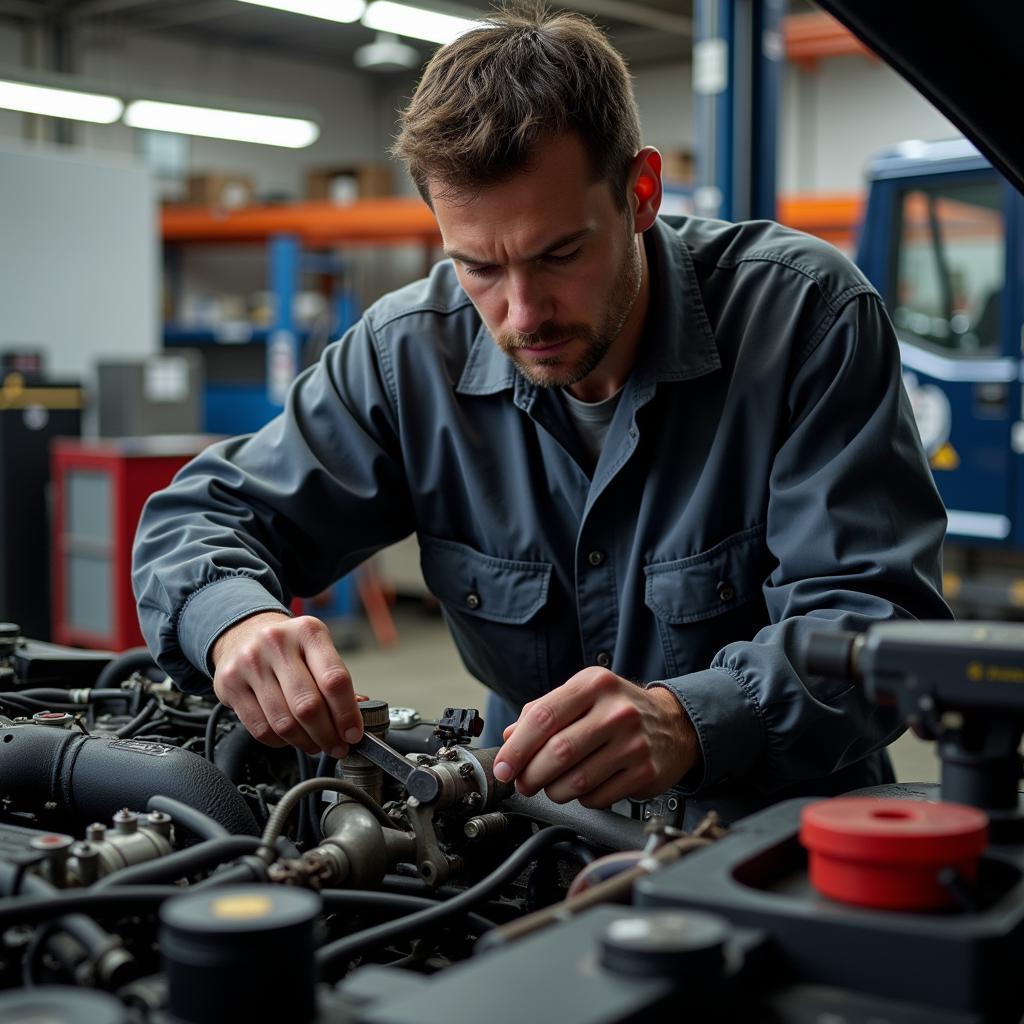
(549, 261)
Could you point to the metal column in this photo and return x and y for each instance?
(737, 65)
(283, 343)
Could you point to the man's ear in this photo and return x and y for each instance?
(645, 187)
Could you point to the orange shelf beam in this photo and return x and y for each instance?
(815, 35)
(386, 221)
(833, 217)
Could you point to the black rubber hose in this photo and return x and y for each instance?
(138, 899)
(135, 659)
(203, 857)
(200, 825)
(210, 739)
(355, 899)
(251, 869)
(602, 828)
(302, 829)
(29, 704)
(139, 720)
(325, 767)
(89, 934)
(93, 777)
(188, 717)
(45, 693)
(342, 950)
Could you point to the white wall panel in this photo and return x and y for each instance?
(840, 114)
(342, 100)
(78, 256)
(664, 94)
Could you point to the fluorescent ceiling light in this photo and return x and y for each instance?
(75, 106)
(292, 132)
(330, 10)
(415, 23)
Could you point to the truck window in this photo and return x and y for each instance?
(949, 268)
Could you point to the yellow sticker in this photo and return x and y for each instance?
(241, 908)
(945, 458)
(975, 672)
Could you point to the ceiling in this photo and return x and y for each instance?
(644, 31)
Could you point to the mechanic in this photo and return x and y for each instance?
(643, 458)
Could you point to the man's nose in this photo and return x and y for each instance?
(529, 304)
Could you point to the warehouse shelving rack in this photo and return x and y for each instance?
(299, 238)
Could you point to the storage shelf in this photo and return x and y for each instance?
(234, 334)
(388, 221)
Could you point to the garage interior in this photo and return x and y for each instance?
(170, 263)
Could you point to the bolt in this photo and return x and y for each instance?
(126, 822)
(465, 769)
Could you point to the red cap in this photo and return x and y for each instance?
(873, 852)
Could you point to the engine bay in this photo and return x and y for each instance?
(158, 864)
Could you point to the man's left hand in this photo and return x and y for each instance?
(599, 738)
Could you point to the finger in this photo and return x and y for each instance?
(334, 683)
(286, 691)
(254, 721)
(540, 720)
(280, 718)
(561, 756)
(308, 706)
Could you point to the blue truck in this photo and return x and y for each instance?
(943, 241)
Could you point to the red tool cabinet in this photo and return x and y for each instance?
(99, 488)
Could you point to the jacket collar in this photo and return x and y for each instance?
(678, 342)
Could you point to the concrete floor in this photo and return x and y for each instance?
(423, 671)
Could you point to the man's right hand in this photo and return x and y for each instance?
(287, 683)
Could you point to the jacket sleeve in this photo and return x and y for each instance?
(855, 527)
(287, 511)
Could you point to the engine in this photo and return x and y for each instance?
(158, 865)
(158, 859)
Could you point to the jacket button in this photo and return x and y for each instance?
(604, 659)
(725, 591)
(473, 600)
(595, 558)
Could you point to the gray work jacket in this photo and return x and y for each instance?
(762, 477)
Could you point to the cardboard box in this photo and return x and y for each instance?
(677, 167)
(226, 191)
(347, 183)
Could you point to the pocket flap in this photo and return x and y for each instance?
(709, 583)
(498, 589)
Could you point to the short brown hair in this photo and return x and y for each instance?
(487, 100)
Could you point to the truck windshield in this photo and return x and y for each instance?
(950, 267)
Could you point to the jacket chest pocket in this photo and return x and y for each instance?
(492, 606)
(703, 602)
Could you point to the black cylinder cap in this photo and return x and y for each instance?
(827, 653)
(682, 946)
(375, 714)
(10, 634)
(241, 953)
(61, 1004)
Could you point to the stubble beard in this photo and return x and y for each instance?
(556, 370)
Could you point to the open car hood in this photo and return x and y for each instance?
(966, 59)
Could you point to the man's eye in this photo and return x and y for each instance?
(562, 259)
(478, 271)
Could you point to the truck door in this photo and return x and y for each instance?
(946, 292)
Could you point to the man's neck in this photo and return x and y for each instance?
(611, 375)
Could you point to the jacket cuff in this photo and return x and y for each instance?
(216, 606)
(727, 721)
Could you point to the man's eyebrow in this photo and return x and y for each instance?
(558, 243)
